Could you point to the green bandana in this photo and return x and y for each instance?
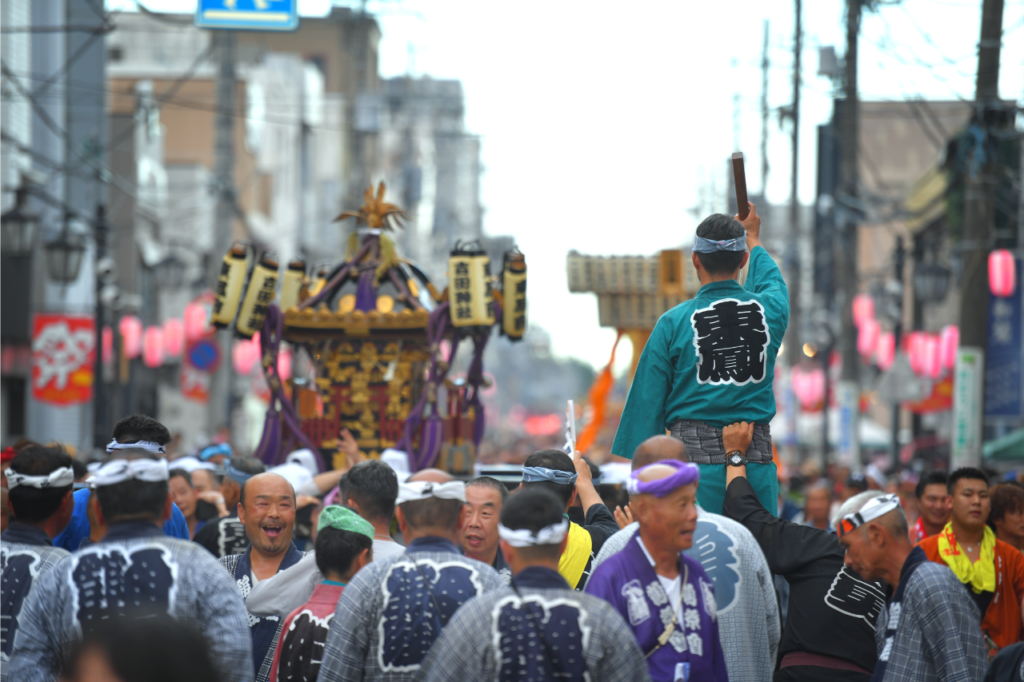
(342, 518)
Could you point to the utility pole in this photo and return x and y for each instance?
(764, 113)
(219, 413)
(793, 348)
(101, 427)
(900, 258)
(979, 216)
(848, 389)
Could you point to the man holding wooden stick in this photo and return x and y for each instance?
(710, 361)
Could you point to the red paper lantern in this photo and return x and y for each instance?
(174, 337)
(243, 357)
(131, 336)
(949, 342)
(107, 345)
(1002, 273)
(886, 352)
(196, 322)
(808, 386)
(867, 337)
(915, 350)
(153, 347)
(863, 309)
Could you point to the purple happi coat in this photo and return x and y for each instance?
(628, 582)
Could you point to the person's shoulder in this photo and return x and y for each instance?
(695, 566)
(1010, 554)
(930, 546)
(610, 567)
(932, 576)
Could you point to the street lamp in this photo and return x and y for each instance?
(931, 282)
(64, 257)
(17, 228)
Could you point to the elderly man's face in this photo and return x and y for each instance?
(862, 555)
(669, 521)
(480, 534)
(268, 513)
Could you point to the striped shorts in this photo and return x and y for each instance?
(704, 442)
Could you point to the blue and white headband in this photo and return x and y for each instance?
(120, 470)
(58, 478)
(146, 445)
(237, 475)
(537, 474)
(701, 245)
(214, 450)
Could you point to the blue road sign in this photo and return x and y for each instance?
(1003, 370)
(248, 15)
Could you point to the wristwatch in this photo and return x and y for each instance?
(736, 459)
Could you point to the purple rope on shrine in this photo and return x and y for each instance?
(335, 280)
(270, 449)
(366, 293)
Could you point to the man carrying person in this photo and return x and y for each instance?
(932, 504)
(394, 609)
(226, 535)
(370, 489)
(1007, 515)
(39, 484)
(266, 506)
(666, 596)
(830, 624)
(134, 431)
(485, 498)
(344, 544)
(537, 628)
(928, 629)
(748, 612)
(565, 477)
(710, 360)
(991, 571)
(135, 571)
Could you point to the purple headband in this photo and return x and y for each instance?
(685, 474)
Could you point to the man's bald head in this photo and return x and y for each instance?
(266, 481)
(658, 448)
(431, 476)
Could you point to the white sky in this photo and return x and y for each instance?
(600, 123)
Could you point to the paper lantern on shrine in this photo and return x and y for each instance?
(153, 347)
(258, 297)
(229, 286)
(885, 354)
(469, 286)
(291, 283)
(244, 356)
(867, 337)
(863, 308)
(107, 345)
(130, 328)
(915, 351)
(513, 286)
(195, 321)
(1002, 273)
(174, 337)
(949, 342)
(932, 357)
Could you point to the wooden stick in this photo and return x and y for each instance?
(740, 181)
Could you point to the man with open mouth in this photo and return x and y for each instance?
(266, 507)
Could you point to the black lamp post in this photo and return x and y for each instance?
(64, 256)
(931, 282)
(17, 227)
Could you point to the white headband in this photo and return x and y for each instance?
(120, 470)
(146, 445)
(423, 490)
(872, 509)
(58, 478)
(524, 537)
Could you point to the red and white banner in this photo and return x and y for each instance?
(63, 355)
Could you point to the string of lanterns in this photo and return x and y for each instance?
(930, 354)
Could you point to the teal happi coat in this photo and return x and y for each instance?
(710, 359)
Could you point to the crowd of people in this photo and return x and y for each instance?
(430, 578)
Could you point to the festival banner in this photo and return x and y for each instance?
(63, 355)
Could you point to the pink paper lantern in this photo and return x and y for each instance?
(932, 357)
(153, 347)
(130, 327)
(243, 357)
(174, 337)
(284, 364)
(808, 386)
(196, 322)
(867, 337)
(863, 309)
(1002, 273)
(915, 349)
(949, 342)
(886, 352)
(107, 345)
